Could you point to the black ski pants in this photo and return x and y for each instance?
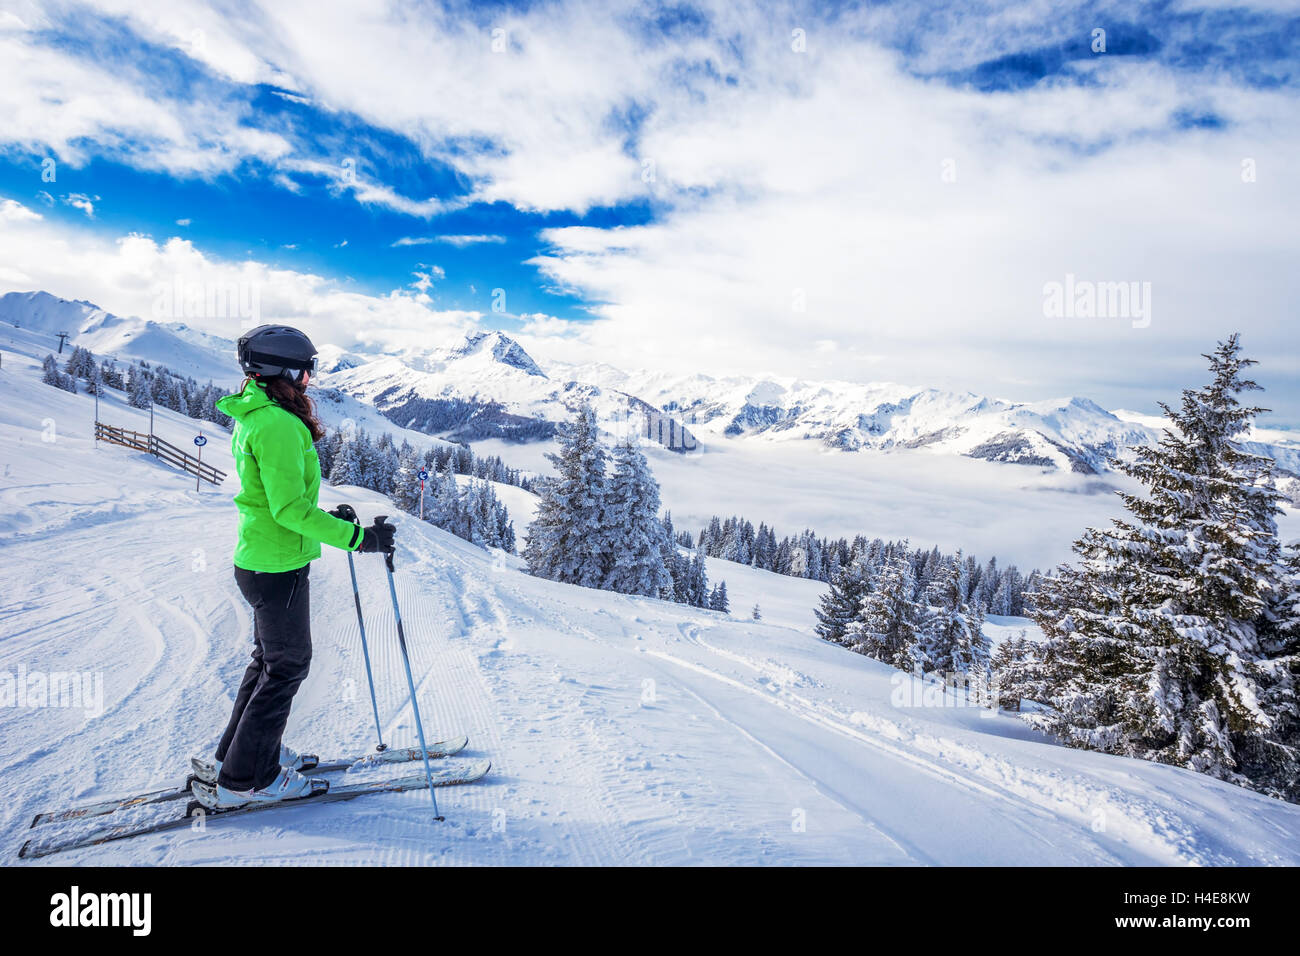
(250, 747)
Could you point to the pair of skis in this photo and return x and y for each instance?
(37, 847)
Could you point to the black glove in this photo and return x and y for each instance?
(378, 537)
(347, 513)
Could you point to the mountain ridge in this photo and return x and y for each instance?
(487, 386)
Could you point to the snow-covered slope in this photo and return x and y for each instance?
(621, 730)
(184, 350)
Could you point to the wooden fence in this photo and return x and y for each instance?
(159, 449)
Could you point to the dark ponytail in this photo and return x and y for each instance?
(293, 398)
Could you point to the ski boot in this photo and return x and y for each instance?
(206, 770)
(289, 784)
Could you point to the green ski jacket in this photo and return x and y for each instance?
(280, 525)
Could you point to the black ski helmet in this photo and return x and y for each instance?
(271, 350)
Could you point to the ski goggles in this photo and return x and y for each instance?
(247, 356)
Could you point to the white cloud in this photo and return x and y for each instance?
(83, 202)
(540, 325)
(286, 182)
(72, 108)
(14, 212)
(451, 240)
(345, 177)
(379, 195)
(135, 275)
(184, 222)
(291, 97)
(424, 279)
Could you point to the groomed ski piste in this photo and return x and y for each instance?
(620, 730)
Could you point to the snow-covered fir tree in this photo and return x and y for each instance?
(110, 375)
(693, 586)
(718, 598)
(1155, 644)
(137, 388)
(1275, 758)
(888, 626)
(80, 363)
(348, 466)
(675, 564)
(1003, 601)
(842, 602)
(1015, 667)
(954, 640)
(636, 537)
(486, 512)
(51, 375)
(567, 540)
(406, 480)
(601, 529)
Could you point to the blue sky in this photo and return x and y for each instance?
(862, 191)
(244, 213)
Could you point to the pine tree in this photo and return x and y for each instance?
(634, 563)
(1015, 667)
(675, 566)
(842, 601)
(137, 388)
(974, 572)
(888, 626)
(567, 540)
(987, 586)
(1153, 643)
(80, 363)
(679, 566)
(1004, 596)
(442, 498)
(505, 531)
(406, 481)
(50, 374)
(954, 639)
(697, 582)
(109, 374)
(756, 614)
(347, 467)
(718, 598)
(327, 450)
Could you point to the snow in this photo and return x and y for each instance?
(621, 730)
(998, 629)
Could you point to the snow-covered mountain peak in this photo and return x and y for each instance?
(331, 358)
(43, 311)
(498, 347)
(766, 392)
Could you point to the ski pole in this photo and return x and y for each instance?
(410, 681)
(365, 651)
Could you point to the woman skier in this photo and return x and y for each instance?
(280, 532)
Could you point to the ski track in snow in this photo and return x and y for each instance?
(621, 730)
